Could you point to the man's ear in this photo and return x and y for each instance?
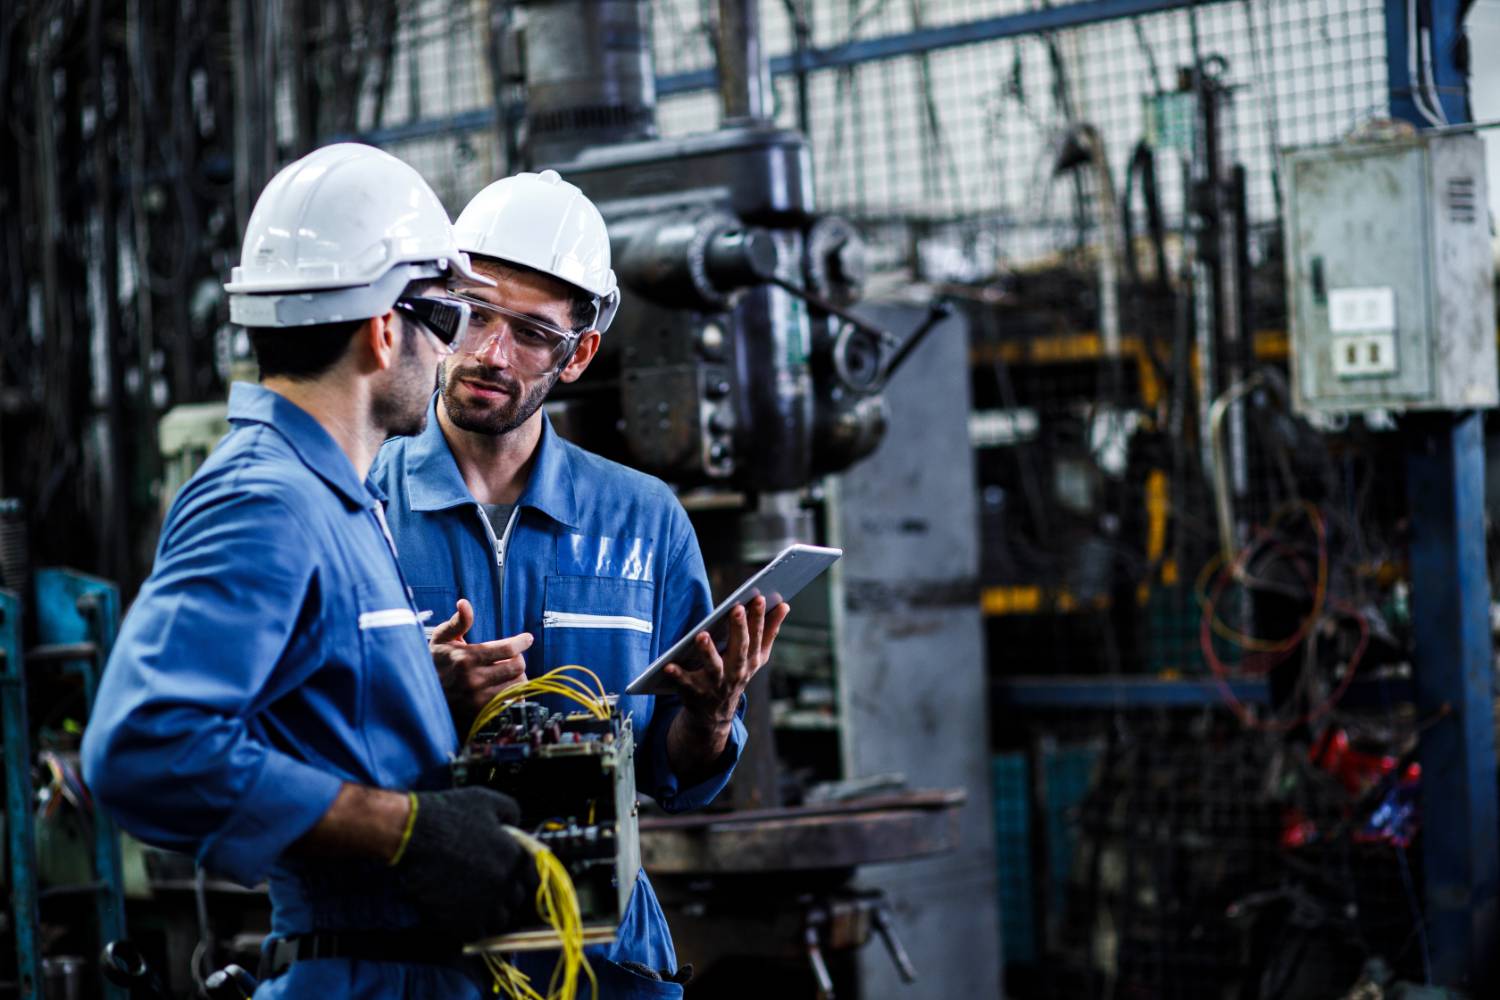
(377, 338)
(588, 346)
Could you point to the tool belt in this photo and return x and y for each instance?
(406, 947)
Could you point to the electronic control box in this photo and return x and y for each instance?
(574, 777)
(1390, 276)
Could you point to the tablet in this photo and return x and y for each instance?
(794, 568)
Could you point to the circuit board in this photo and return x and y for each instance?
(573, 775)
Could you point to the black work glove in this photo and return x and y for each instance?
(683, 975)
(468, 878)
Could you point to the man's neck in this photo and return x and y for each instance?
(345, 414)
(495, 467)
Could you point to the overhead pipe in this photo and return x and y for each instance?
(744, 71)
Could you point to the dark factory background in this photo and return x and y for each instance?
(1146, 675)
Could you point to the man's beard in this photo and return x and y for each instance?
(401, 410)
(496, 418)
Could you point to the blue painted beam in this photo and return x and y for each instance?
(910, 43)
(1443, 20)
(1031, 22)
(1452, 654)
(1104, 692)
(1453, 665)
(425, 128)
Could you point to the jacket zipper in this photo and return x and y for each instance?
(570, 619)
(499, 545)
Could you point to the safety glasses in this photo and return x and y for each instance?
(531, 346)
(447, 318)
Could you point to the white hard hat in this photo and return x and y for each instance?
(336, 236)
(542, 222)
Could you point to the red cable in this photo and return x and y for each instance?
(1221, 678)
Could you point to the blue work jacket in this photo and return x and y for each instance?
(600, 564)
(274, 654)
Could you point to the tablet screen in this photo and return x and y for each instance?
(778, 581)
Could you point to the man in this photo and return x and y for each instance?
(553, 555)
(271, 704)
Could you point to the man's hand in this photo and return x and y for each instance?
(474, 672)
(711, 691)
(465, 875)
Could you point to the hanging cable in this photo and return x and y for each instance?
(1415, 78)
(1261, 663)
(557, 905)
(560, 682)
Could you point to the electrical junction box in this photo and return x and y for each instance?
(1390, 276)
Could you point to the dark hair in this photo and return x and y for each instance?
(306, 352)
(301, 352)
(580, 302)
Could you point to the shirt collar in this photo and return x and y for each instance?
(433, 481)
(255, 404)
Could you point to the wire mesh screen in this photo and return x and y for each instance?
(968, 135)
(960, 140)
(414, 77)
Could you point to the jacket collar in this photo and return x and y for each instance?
(255, 404)
(433, 481)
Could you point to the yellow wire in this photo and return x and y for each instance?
(557, 904)
(548, 683)
(575, 684)
(593, 676)
(569, 681)
(577, 694)
(546, 680)
(572, 695)
(558, 682)
(510, 980)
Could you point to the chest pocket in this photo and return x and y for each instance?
(603, 623)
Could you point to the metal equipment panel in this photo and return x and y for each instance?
(912, 678)
(1388, 273)
(1358, 245)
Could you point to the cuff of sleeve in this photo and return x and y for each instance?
(666, 789)
(286, 800)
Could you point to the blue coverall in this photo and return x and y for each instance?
(273, 654)
(600, 564)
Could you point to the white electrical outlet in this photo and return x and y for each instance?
(1361, 310)
(1369, 355)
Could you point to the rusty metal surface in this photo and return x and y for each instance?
(805, 838)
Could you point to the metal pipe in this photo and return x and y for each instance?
(590, 80)
(744, 72)
(1223, 498)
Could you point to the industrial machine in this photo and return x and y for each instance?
(737, 364)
